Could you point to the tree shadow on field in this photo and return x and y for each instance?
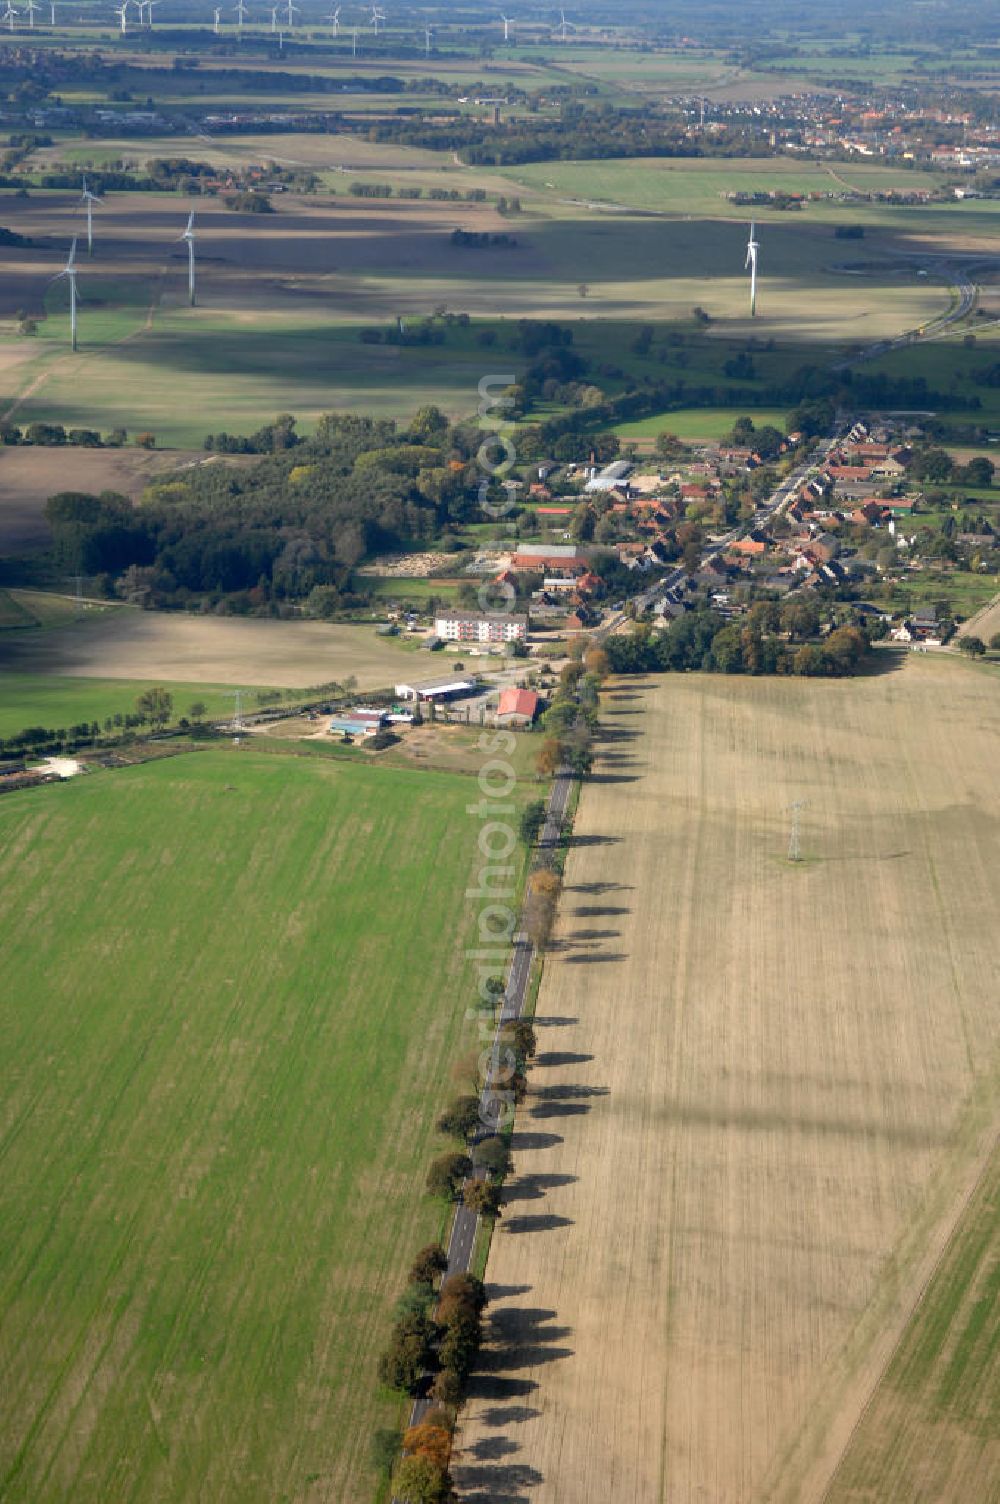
(595, 958)
(533, 1222)
(505, 1292)
(554, 1020)
(597, 888)
(492, 1448)
(564, 1100)
(613, 777)
(501, 1483)
(496, 1386)
(534, 1187)
(508, 1415)
(582, 937)
(597, 911)
(521, 1141)
(883, 660)
(521, 1336)
(581, 841)
(560, 1109)
(561, 1057)
(570, 1091)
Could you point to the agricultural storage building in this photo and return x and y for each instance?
(357, 722)
(442, 688)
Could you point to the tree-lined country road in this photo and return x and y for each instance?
(462, 1242)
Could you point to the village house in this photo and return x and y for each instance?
(517, 707)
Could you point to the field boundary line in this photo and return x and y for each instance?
(810, 1479)
(914, 1310)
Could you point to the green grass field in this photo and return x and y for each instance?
(233, 986)
(58, 700)
(697, 186)
(42, 608)
(697, 424)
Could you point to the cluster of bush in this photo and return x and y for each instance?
(481, 240)
(441, 195)
(53, 435)
(704, 640)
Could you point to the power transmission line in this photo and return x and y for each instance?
(795, 835)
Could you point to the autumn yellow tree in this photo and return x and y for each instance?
(429, 1441)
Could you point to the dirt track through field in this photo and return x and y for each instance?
(763, 1091)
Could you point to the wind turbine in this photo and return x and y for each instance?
(292, 8)
(9, 15)
(69, 270)
(334, 19)
(189, 237)
(274, 19)
(377, 16)
(241, 14)
(563, 24)
(90, 199)
(121, 11)
(753, 246)
(31, 7)
(217, 13)
(52, 8)
(149, 12)
(427, 41)
(506, 27)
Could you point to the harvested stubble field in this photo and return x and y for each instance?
(764, 1093)
(161, 646)
(233, 987)
(30, 475)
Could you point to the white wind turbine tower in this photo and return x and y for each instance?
(334, 20)
(121, 11)
(241, 14)
(506, 27)
(52, 8)
(274, 18)
(563, 24)
(217, 13)
(753, 246)
(90, 199)
(10, 15)
(69, 270)
(189, 237)
(291, 9)
(149, 12)
(427, 41)
(31, 7)
(354, 42)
